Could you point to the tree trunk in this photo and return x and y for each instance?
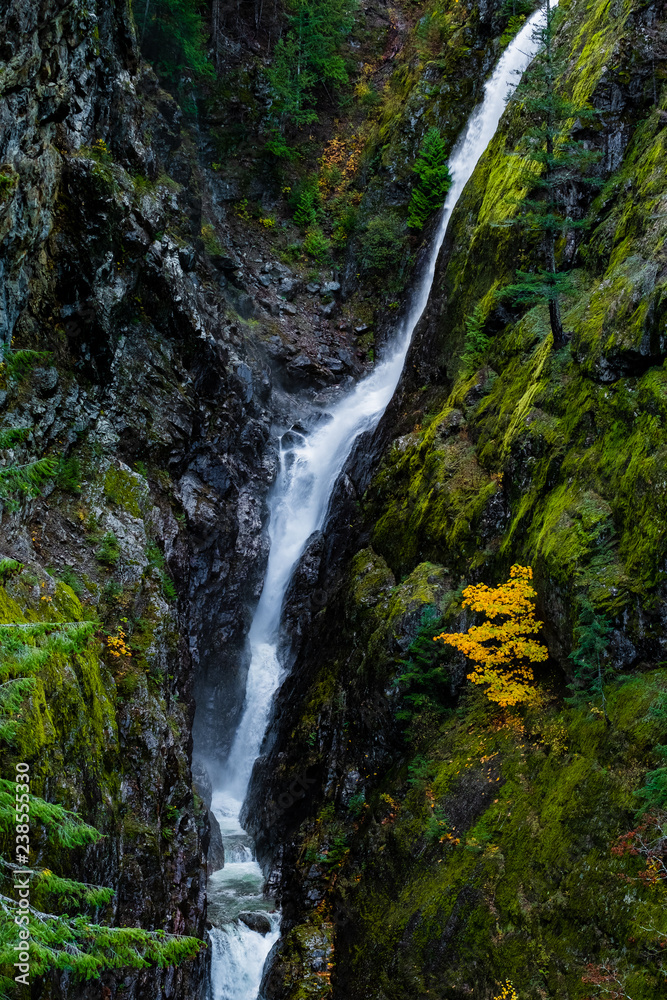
(554, 305)
(550, 237)
(607, 720)
(556, 325)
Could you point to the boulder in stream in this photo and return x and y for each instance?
(256, 921)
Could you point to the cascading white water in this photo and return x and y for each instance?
(309, 467)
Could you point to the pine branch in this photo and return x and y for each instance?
(28, 477)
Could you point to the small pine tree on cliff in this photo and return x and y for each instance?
(434, 180)
(590, 671)
(553, 162)
(171, 34)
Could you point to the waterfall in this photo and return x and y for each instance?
(310, 464)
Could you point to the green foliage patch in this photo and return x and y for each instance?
(382, 243)
(68, 475)
(307, 203)
(434, 180)
(477, 340)
(316, 244)
(108, 552)
(172, 35)
(424, 680)
(156, 559)
(308, 57)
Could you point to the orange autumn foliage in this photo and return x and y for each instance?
(502, 648)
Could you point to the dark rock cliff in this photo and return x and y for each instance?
(153, 401)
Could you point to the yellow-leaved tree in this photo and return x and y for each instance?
(503, 648)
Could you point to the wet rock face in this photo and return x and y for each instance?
(256, 922)
(163, 403)
(214, 848)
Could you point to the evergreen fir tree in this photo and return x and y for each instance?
(592, 638)
(553, 162)
(516, 11)
(308, 204)
(434, 180)
(424, 682)
(477, 341)
(171, 35)
(307, 57)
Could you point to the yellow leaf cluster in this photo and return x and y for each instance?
(503, 648)
(507, 992)
(117, 645)
(344, 154)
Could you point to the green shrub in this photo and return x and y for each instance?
(17, 364)
(69, 577)
(277, 144)
(592, 667)
(155, 556)
(383, 243)
(316, 244)
(335, 853)
(516, 11)
(434, 180)
(7, 184)
(168, 588)
(26, 479)
(156, 559)
(172, 35)
(211, 242)
(345, 221)
(112, 591)
(99, 151)
(420, 770)
(9, 568)
(476, 342)
(424, 682)
(432, 31)
(109, 551)
(68, 476)
(357, 803)
(291, 253)
(307, 206)
(514, 26)
(437, 826)
(332, 174)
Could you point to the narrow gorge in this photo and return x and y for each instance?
(320, 322)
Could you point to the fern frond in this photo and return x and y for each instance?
(26, 478)
(12, 436)
(8, 568)
(22, 361)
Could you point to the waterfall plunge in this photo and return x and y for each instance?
(309, 467)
